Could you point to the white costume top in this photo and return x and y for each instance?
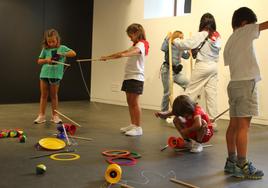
(134, 68)
(239, 54)
(208, 52)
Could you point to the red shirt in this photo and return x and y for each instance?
(190, 120)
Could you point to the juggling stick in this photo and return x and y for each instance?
(182, 183)
(66, 136)
(163, 148)
(67, 118)
(87, 60)
(186, 149)
(58, 62)
(45, 155)
(79, 137)
(215, 118)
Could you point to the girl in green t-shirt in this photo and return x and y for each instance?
(52, 57)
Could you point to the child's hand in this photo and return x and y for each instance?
(182, 119)
(169, 34)
(48, 60)
(162, 115)
(103, 58)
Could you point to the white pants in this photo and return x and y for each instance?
(205, 76)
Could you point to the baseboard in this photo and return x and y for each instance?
(255, 120)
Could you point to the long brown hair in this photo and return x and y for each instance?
(136, 28)
(50, 33)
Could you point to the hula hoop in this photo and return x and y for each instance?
(55, 156)
(134, 155)
(116, 160)
(115, 153)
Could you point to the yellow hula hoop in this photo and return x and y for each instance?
(55, 156)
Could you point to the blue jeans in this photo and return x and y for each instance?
(179, 79)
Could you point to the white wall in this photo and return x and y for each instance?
(111, 18)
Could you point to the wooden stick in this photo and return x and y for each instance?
(78, 137)
(67, 118)
(170, 71)
(45, 155)
(215, 118)
(58, 62)
(87, 60)
(182, 183)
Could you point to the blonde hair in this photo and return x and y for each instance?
(137, 29)
(176, 34)
(50, 33)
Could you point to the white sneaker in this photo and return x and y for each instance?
(170, 119)
(136, 131)
(196, 148)
(40, 119)
(56, 119)
(128, 128)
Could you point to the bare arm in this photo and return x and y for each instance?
(113, 56)
(44, 61)
(263, 26)
(127, 53)
(163, 115)
(195, 127)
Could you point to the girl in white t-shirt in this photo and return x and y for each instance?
(134, 75)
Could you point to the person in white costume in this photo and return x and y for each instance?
(205, 73)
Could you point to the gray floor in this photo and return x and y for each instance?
(102, 122)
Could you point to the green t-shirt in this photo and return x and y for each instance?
(53, 70)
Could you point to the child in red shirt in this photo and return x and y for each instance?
(191, 121)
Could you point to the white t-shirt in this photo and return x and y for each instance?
(134, 68)
(239, 54)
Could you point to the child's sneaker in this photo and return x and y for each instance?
(248, 171)
(40, 119)
(196, 148)
(56, 119)
(188, 144)
(128, 128)
(136, 131)
(229, 166)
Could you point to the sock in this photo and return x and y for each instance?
(232, 157)
(241, 161)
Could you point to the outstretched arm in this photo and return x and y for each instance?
(127, 53)
(263, 26)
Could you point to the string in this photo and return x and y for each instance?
(83, 78)
(147, 180)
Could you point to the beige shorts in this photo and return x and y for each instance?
(243, 98)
